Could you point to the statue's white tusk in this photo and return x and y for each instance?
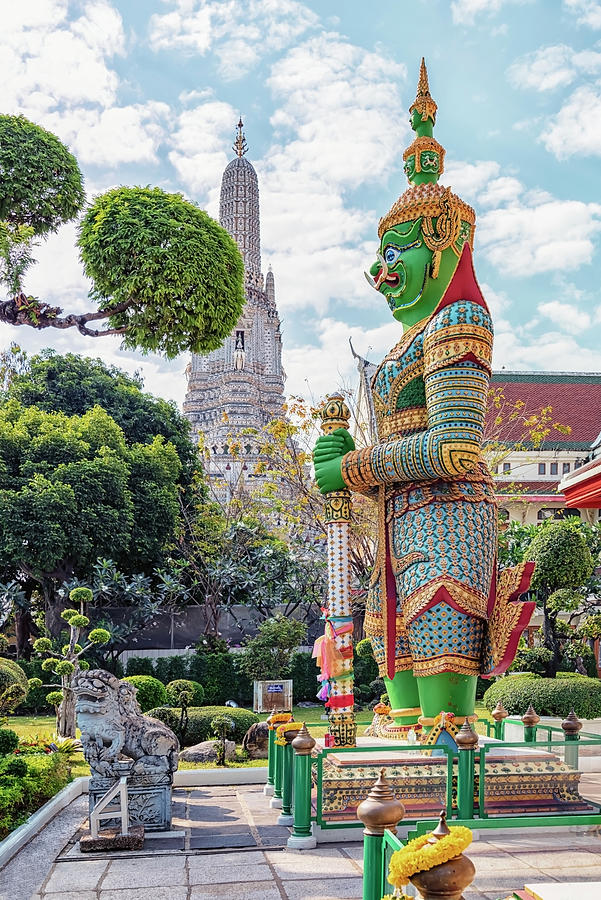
(370, 280)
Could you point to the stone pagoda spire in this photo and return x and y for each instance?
(239, 388)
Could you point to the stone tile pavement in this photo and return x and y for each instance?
(51, 868)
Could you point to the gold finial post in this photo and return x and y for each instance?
(240, 145)
(423, 102)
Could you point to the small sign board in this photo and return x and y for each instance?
(274, 694)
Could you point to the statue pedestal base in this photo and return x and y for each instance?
(112, 839)
(148, 799)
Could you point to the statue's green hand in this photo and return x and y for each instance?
(327, 458)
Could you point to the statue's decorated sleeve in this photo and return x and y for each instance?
(457, 364)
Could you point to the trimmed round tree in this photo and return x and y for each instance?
(170, 276)
(165, 275)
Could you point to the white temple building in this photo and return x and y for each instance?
(235, 391)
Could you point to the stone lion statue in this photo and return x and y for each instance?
(113, 728)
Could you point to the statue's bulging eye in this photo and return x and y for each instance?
(391, 254)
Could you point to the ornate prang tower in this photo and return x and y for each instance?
(241, 385)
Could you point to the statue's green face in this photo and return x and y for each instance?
(402, 271)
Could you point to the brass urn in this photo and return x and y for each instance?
(448, 880)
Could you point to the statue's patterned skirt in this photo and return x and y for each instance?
(441, 540)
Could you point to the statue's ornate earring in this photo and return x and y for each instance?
(435, 265)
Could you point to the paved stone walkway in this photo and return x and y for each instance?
(257, 867)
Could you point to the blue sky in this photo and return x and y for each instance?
(149, 93)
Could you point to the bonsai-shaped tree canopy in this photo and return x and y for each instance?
(164, 274)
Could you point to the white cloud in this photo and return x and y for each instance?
(550, 351)
(526, 231)
(325, 365)
(333, 132)
(465, 12)
(588, 12)
(111, 137)
(568, 317)
(526, 238)
(576, 129)
(550, 67)
(199, 141)
(239, 33)
(46, 60)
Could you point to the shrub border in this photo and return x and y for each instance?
(18, 838)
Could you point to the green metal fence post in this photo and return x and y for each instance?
(268, 789)
(467, 741)
(379, 811)
(302, 834)
(530, 720)
(286, 817)
(499, 714)
(571, 726)
(278, 771)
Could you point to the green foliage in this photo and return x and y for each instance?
(64, 667)
(50, 664)
(68, 614)
(150, 691)
(35, 701)
(183, 685)
(99, 636)
(140, 665)
(3, 644)
(532, 659)
(181, 272)
(268, 654)
(363, 649)
(221, 678)
(41, 185)
(9, 741)
(562, 557)
(549, 696)
(21, 796)
(75, 384)
(199, 722)
(170, 668)
(13, 686)
(80, 595)
(71, 491)
(42, 645)
(591, 627)
(55, 698)
(578, 653)
(366, 669)
(79, 621)
(303, 671)
(13, 765)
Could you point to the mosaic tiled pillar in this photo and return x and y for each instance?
(342, 728)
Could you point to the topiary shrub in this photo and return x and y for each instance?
(175, 688)
(21, 795)
(199, 722)
(548, 696)
(9, 741)
(363, 649)
(576, 653)
(13, 685)
(151, 692)
(140, 665)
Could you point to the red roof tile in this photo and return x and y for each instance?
(574, 398)
(526, 487)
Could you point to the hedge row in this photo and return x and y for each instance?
(199, 722)
(548, 696)
(21, 795)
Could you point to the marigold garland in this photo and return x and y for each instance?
(281, 730)
(275, 718)
(419, 856)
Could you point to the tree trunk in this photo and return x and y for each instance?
(53, 607)
(24, 629)
(551, 641)
(66, 711)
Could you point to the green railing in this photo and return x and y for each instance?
(301, 795)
